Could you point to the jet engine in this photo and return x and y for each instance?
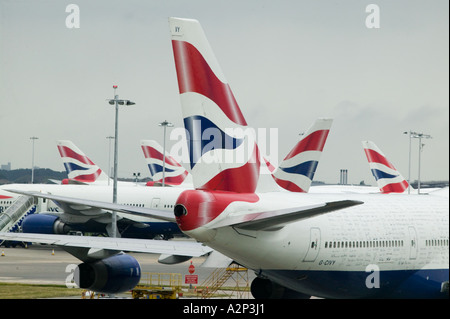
(44, 224)
(112, 275)
(262, 288)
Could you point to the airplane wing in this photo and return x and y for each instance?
(278, 218)
(86, 247)
(69, 203)
(176, 247)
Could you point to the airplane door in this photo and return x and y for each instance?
(413, 243)
(42, 205)
(314, 245)
(155, 202)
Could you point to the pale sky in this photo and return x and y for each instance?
(287, 62)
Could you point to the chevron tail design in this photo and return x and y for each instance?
(223, 152)
(78, 166)
(175, 174)
(389, 180)
(296, 172)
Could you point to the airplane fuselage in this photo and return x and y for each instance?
(139, 196)
(390, 246)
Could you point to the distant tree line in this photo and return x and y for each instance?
(23, 176)
(43, 176)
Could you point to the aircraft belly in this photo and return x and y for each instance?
(424, 283)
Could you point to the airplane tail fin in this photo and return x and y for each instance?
(389, 180)
(78, 166)
(223, 153)
(174, 174)
(296, 172)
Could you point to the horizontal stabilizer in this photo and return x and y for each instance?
(276, 219)
(87, 204)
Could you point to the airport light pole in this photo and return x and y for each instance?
(164, 124)
(33, 138)
(419, 136)
(409, 161)
(116, 101)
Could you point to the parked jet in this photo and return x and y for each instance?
(59, 218)
(50, 218)
(336, 246)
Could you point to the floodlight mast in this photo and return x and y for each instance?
(116, 101)
(164, 124)
(33, 138)
(419, 136)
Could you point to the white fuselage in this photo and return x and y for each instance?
(388, 233)
(140, 196)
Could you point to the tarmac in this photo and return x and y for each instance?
(46, 264)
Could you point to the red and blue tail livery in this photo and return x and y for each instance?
(296, 172)
(389, 180)
(174, 173)
(223, 152)
(79, 168)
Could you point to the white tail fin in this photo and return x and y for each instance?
(296, 172)
(78, 166)
(389, 180)
(223, 153)
(175, 174)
